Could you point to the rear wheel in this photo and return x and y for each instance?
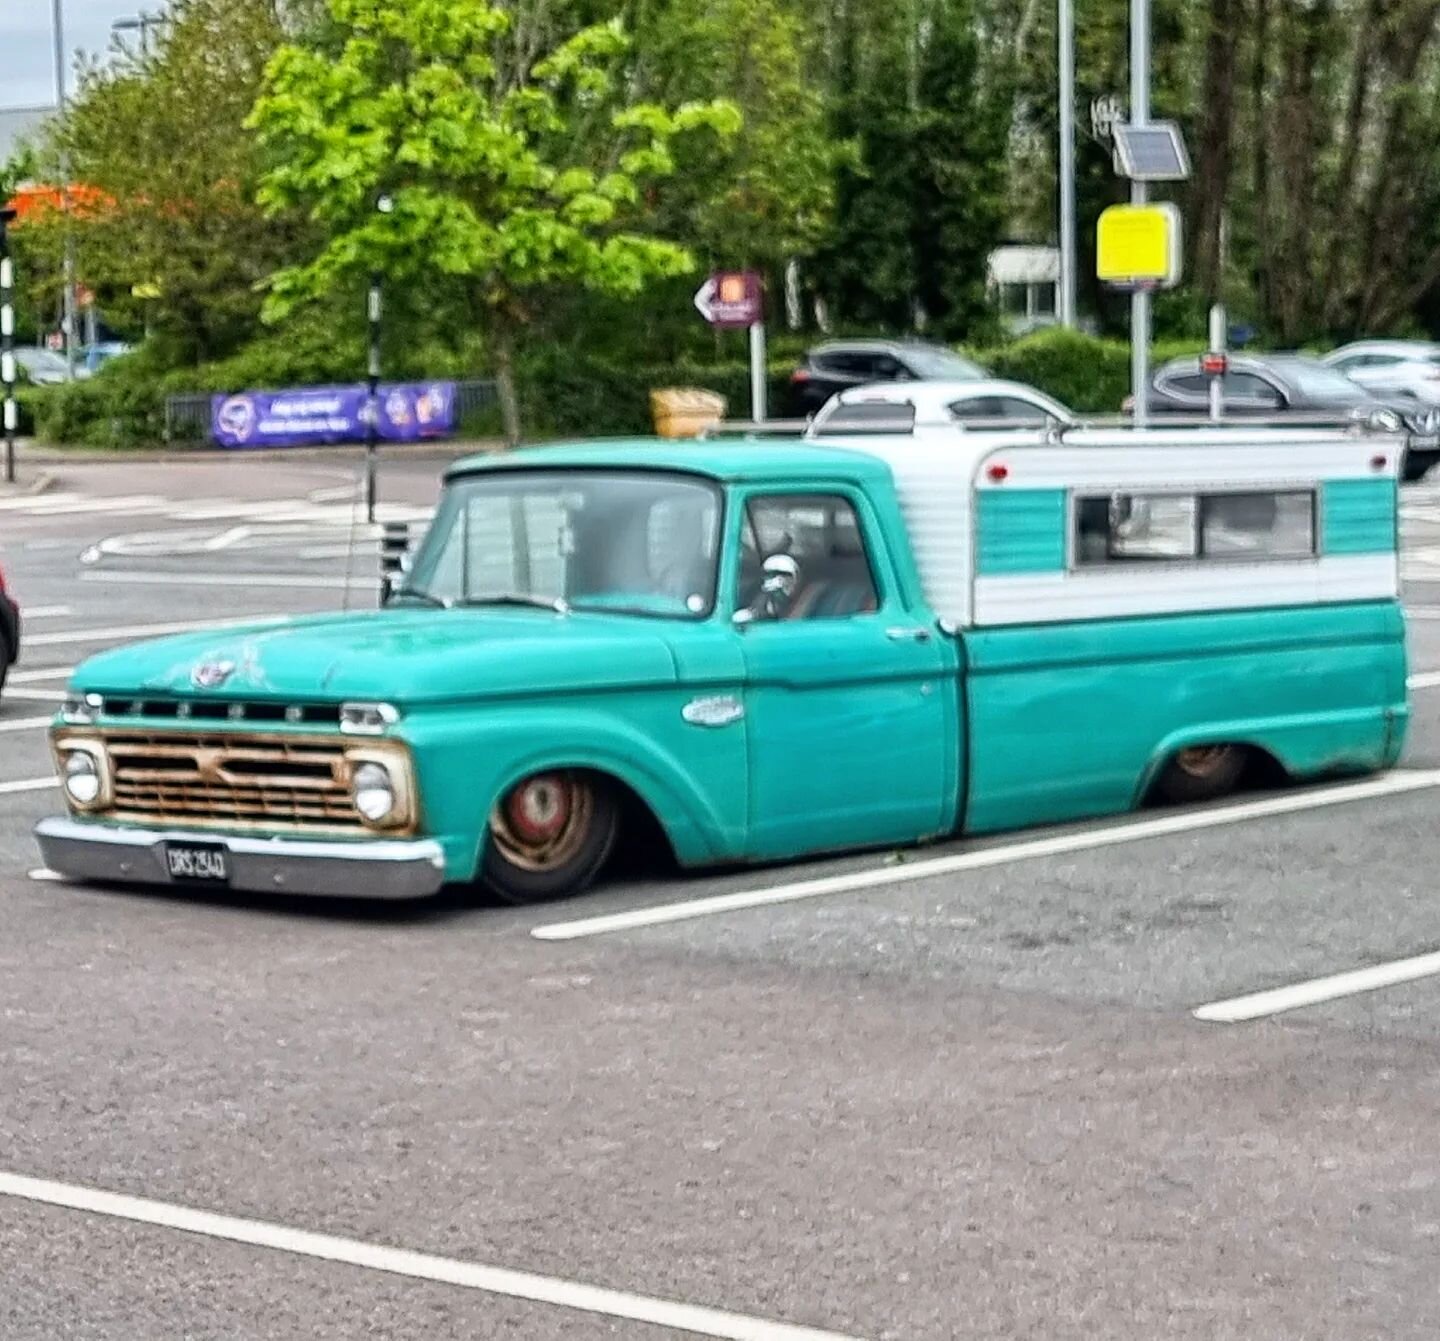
(1202, 773)
(549, 836)
(6, 653)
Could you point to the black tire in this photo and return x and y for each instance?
(5, 657)
(1202, 773)
(549, 836)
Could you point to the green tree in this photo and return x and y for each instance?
(167, 174)
(508, 169)
(923, 204)
(772, 198)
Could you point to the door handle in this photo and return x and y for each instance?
(916, 635)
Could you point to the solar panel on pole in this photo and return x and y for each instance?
(1151, 153)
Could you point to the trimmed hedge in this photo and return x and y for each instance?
(562, 392)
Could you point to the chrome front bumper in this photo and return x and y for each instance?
(365, 869)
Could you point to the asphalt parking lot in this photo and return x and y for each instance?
(962, 1093)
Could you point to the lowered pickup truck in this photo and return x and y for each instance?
(762, 650)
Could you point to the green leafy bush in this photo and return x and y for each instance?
(1086, 372)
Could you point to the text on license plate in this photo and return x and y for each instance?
(197, 863)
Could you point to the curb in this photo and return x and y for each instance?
(42, 483)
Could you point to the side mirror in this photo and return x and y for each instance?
(777, 589)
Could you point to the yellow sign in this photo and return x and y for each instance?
(1139, 244)
(144, 290)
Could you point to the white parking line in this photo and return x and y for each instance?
(1258, 1004)
(47, 611)
(134, 578)
(1423, 680)
(143, 630)
(1107, 836)
(25, 724)
(44, 875)
(693, 1318)
(38, 675)
(27, 785)
(35, 695)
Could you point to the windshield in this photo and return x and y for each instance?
(1314, 379)
(639, 542)
(939, 364)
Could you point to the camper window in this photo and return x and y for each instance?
(1121, 528)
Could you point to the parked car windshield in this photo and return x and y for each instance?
(938, 364)
(1313, 379)
(638, 542)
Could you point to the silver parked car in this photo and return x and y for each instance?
(1392, 367)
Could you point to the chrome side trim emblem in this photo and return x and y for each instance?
(718, 710)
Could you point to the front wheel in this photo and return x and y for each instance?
(1202, 773)
(549, 836)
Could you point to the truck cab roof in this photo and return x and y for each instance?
(719, 459)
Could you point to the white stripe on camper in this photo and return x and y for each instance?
(1049, 598)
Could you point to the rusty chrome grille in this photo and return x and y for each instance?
(183, 778)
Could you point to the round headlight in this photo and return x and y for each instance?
(374, 792)
(82, 778)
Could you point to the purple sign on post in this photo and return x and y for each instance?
(732, 299)
(324, 415)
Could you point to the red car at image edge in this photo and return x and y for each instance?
(9, 631)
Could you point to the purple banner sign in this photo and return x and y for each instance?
(321, 415)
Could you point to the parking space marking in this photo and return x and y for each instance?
(693, 1318)
(47, 611)
(100, 635)
(1423, 680)
(43, 874)
(1106, 836)
(28, 785)
(1312, 992)
(26, 724)
(130, 577)
(36, 676)
(35, 695)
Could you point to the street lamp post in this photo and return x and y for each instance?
(1066, 25)
(7, 342)
(384, 205)
(372, 416)
(68, 305)
(1139, 194)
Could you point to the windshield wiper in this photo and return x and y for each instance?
(428, 597)
(556, 603)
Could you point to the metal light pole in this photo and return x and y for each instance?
(7, 342)
(57, 23)
(384, 205)
(1140, 299)
(1066, 26)
(372, 417)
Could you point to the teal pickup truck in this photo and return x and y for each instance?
(759, 650)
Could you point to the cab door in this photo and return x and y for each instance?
(850, 698)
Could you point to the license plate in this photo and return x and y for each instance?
(205, 864)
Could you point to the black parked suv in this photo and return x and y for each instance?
(9, 632)
(841, 364)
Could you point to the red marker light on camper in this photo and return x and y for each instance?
(998, 473)
(1378, 462)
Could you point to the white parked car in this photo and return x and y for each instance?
(904, 406)
(1392, 367)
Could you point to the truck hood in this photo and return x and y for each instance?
(399, 656)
